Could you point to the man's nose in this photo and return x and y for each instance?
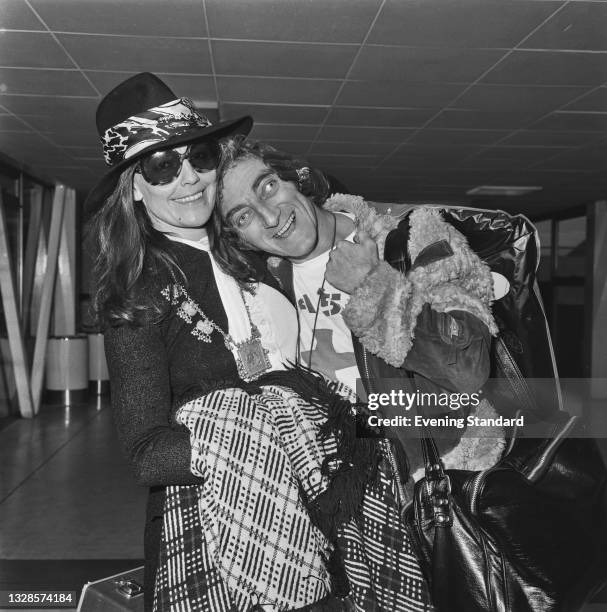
(269, 215)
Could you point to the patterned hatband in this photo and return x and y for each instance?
(149, 128)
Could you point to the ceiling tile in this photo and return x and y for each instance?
(545, 138)
(276, 90)
(50, 113)
(401, 117)
(275, 114)
(343, 161)
(123, 53)
(421, 65)
(458, 23)
(587, 159)
(275, 59)
(579, 25)
(458, 137)
(433, 153)
(352, 148)
(590, 122)
(313, 21)
(527, 155)
(595, 101)
(10, 123)
(137, 17)
(277, 132)
(32, 50)
(17, 15)
(200, 89)
(517, 99)
(550, 68)
(484, 120)
(364, 134)
(44, 82)
(398, 94)
(86, 138)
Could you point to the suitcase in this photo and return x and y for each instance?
(119, 592)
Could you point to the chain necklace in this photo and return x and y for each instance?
(250, 355)
(320, 293)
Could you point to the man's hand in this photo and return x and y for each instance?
(349, 262)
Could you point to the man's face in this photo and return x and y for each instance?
(270, 214)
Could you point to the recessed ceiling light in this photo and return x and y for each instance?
(503, 190)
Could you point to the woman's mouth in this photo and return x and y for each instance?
(189, 199)
(287, 228)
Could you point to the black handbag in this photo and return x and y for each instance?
(529, 534)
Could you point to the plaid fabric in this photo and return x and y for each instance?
(253, 542)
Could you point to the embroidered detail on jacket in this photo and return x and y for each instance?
(189, 311)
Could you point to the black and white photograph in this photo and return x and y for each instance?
(303, 305)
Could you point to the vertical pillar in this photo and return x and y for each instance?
(10, 304)
(597, 299)
(46, 299)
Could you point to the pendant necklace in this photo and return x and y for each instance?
(250, 355)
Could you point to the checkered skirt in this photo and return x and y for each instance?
(244, 537)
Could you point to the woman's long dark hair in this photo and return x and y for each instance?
(125, 245)
(231, 252)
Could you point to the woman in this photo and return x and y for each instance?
(190, 348)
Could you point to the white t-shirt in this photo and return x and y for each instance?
(333, 351)
(271, 311)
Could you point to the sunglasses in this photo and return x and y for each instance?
(163, 167)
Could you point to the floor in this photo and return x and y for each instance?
(70, 511)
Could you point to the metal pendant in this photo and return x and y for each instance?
(251, 359)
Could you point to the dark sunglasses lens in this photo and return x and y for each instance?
(204, 156)
(161, 167)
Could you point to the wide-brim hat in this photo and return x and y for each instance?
(143, 115)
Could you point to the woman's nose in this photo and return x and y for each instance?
(189, 176)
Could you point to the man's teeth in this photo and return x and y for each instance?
(285, 228)
(191, 198)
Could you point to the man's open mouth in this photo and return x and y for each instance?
(286, 228)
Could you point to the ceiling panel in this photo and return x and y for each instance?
(33, 50)
(383, 92)
(398, 94)
(596, 100)
(275, 113)
(590, 122)
(364, 134)
(17, 15)
(199, 88)
(134, 17)
(124, 53)
(458, 137)
(44, 82)
(421, 65)
(48, 114)
(459, 23)
(345, 21)
(269, 131)
(550, 68)
(273, 59)
(579, 25)
(545, 138)
(10, 123)
(378, 117)
(352, 148)
(277, 91)
(484, 120)
(513, 98)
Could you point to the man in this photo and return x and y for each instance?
(359, 317)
